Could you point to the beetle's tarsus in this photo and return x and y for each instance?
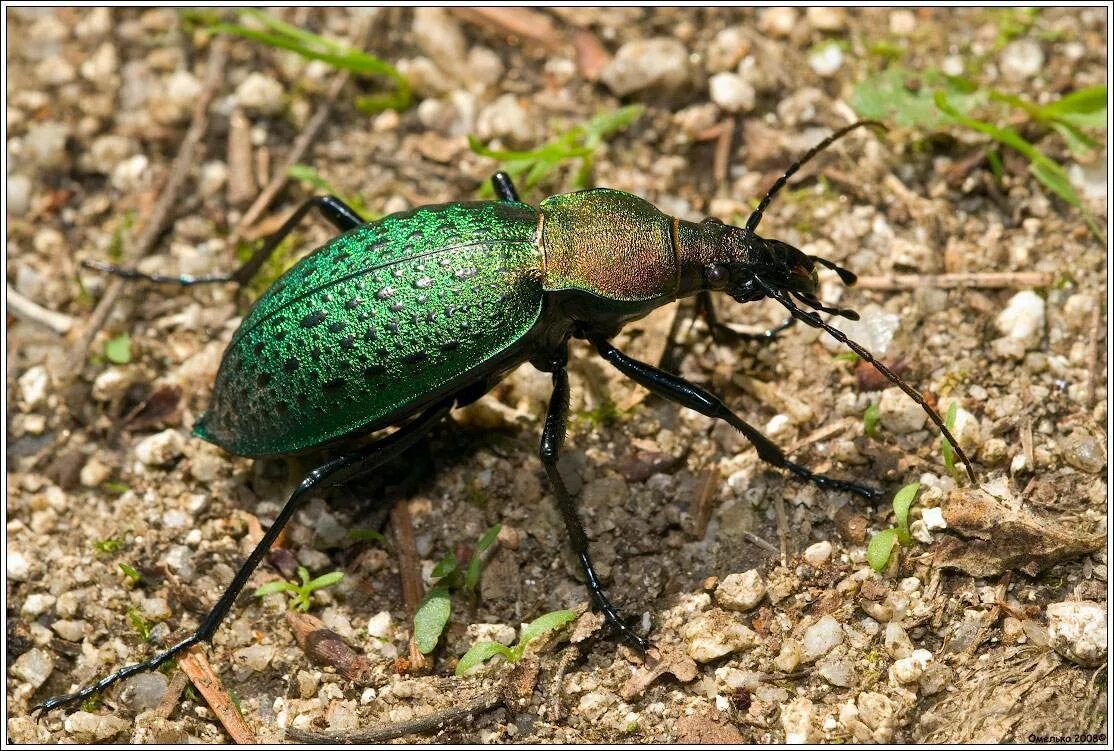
(504, 187)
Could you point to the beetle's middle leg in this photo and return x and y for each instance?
(337, 212)
(553, 437)
(504, 188)
(678, 390)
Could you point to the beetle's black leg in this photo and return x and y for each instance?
(553, 437)
(722, 333)
(337, 212)
(504, 187)
(333, 472)
(692, 396)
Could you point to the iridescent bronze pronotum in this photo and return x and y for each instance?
(397, 321)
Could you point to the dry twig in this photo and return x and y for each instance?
(426, 723)
(982, 280)
(522, 22)
(161, 215)
(402, 525)
(60, 323)
(195, 665)
(170, 700)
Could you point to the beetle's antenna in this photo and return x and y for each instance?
(756, 216)
(817, 322)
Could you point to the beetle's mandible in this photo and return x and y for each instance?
(395, 322)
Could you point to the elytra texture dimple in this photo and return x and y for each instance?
(381, 318)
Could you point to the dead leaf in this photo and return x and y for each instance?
(676, 663)
(991, 538)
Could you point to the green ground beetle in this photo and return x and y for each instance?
(395, 322)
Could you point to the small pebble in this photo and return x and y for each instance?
(45, 144)
(94, 473)
(898, 413)
(903, 22)
(179, 559)
(379, 625)
(778, 22)
(714, 634)
(261, 94)
(160, 448)
(1023, 318)
(839, 672)
(19, 194)
(144, 690)
(36, 604)
(740, 592)
(731, 92)
(875, 330)
(256, 657)
(796, 721)
(1083, 451)
(818, 553)
(827, 18)
(1077, 630)
(308, 683)
(826, 59)
(496, 632)
(726, 50)
(33, 666)
(69, 630)
(820, 638)
(789, 657)
(1022, 58)
(897, 642)
(910, 669)
(33, 386)
(86, 727)
(647, 63)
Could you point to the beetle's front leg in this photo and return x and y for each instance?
(722, 333)
(677, 389)
(504, 188)
(553, 437)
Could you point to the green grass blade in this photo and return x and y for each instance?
(903, 501)
(430, 618)
(482, 652)
(880, 547)
(548, 622)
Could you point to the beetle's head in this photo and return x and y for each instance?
(756, 267)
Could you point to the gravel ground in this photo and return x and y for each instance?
(771, 626)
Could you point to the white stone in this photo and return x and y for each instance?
(1022, 58)
(910, 669)
(820, 638)
(933, 518)
(1077, 630)
(646, 63)
(839, 672)
(86, 727)
(45, 144)
(160, 448)
(262, 94)
(1023, 318)
(131, 174)
(875, 330)
(496, 632)
(826, 59)
(33, 386)
(17, 565)
(789, 657)
(727, 49)
(897, 641)
(379, 625)
(33, 666)
(741, 592)
(19, 194)
(796, 720)
(731, 92)
(818, 553)
(256, 657)
(898, 413)
(714, 634)
(778, 21)
(36, 604)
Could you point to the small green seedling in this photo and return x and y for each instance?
(870, 421)
(108, 546)
(881, 545)
(579, 142)
(946, 448)
(139, 623)
(483, 651)
(130, 572)
(435, 608)
(301, 593)
(276, 33)
(846, 357)
(118, 350)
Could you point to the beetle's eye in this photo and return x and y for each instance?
(717, 276)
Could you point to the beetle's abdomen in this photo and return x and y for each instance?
(612, 244)
(375, 324)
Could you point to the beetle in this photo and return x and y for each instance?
(397, 321)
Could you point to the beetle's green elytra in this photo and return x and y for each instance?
(378, 320)
(395, 322)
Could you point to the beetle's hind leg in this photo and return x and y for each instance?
(553, 437)
(677, 389)
(337, 212)
(333, 472)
